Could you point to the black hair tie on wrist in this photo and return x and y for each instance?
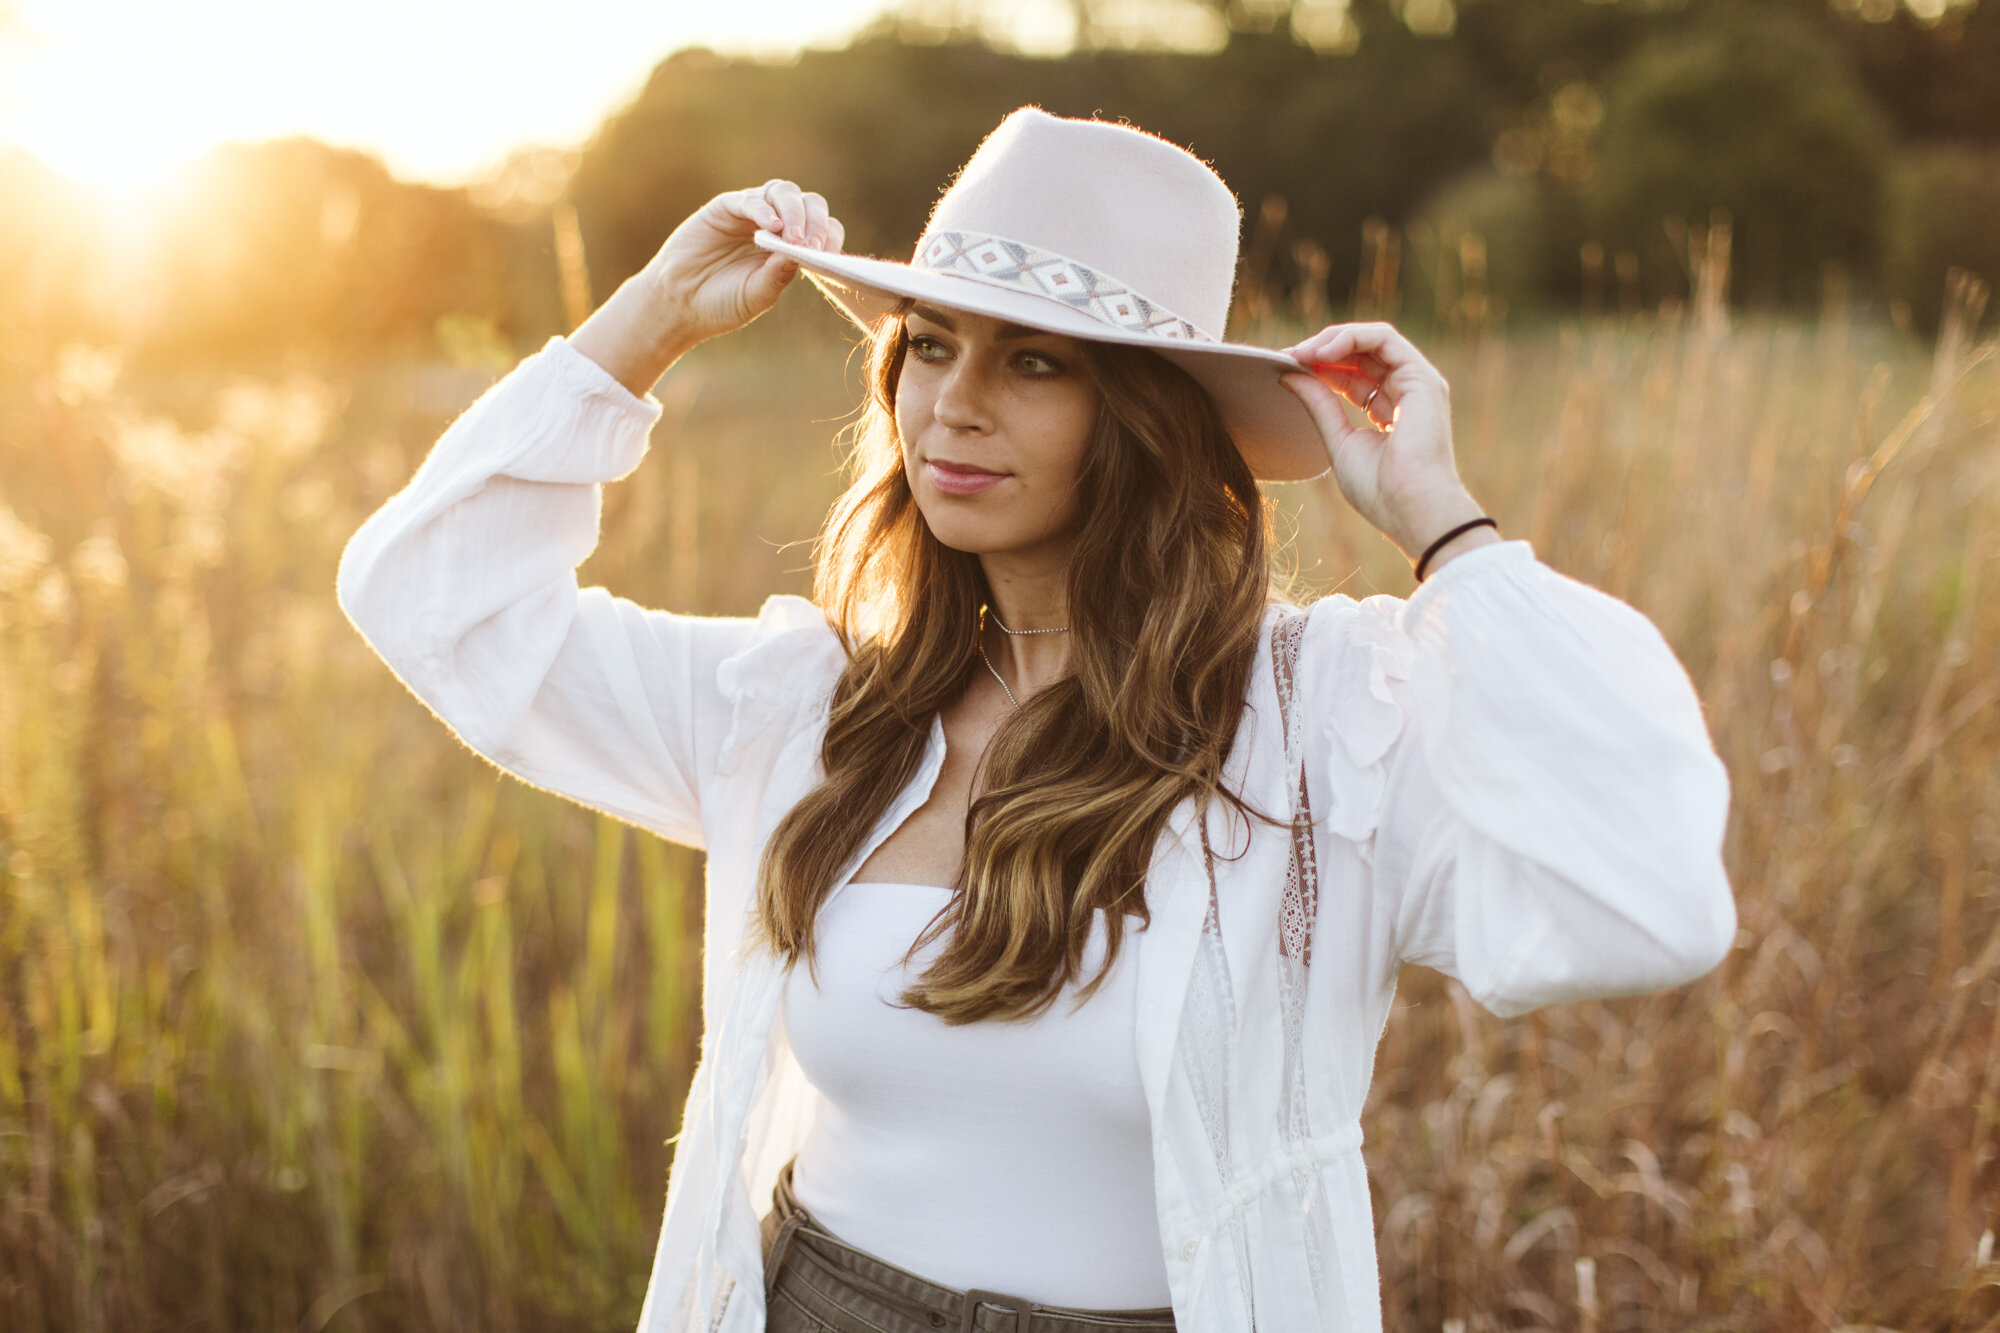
(1439, 543)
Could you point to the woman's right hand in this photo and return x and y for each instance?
(710, 277)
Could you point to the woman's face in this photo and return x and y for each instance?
(994, 420)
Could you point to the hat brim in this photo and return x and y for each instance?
(1271, 427)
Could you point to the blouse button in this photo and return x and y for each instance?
(1187, 1250)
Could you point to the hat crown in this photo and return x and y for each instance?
(1115, 199)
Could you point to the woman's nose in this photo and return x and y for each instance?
(962, 400)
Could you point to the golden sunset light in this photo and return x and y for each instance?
(117, 93)
(1471, 527)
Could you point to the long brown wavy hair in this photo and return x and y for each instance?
(1167, 591)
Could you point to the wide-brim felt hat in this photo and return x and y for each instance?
(1098, 231)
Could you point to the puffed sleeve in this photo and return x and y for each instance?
(465, 584)
(1524, 763)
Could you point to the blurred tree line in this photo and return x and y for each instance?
(1554, 152)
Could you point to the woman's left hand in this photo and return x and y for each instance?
(1398, 470)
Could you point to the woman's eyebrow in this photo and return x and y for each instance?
(942, 320)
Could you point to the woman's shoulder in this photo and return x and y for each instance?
(1348, 664)
(790, 646)
(1327, 632)
(786, 661)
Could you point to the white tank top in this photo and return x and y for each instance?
(1011, 1156)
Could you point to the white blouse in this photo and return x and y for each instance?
(1509, 773)
(1007, 1156)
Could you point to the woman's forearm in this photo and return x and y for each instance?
(633, 335)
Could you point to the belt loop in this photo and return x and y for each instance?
(977, 1297)
(786, 1230)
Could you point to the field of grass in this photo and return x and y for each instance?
(308, 1020)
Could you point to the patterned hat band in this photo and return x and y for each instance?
(1013, 266)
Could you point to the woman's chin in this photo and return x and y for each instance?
(969, 538)
(991, 539)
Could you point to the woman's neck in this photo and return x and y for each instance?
(1027, 597)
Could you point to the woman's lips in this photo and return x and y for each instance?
(958, 479)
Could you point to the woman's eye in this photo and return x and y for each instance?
(1037, 364)
(926, 347)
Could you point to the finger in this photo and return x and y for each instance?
(1352, 341)
(1366, 364)
(1318, 343)
(771, 278)
(1375, 398)
(1341, 342)
(1318, 348)
(1351, 366)
(790, 202)
(1355, 367)
(1371, 365)
(816, 215)
(1322, 406)
(750, 206)
(1405, 372)
(836, 234)
(1396, 352)
(1379, 405)
(765, 216)
(1349, 382)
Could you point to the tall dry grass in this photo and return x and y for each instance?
(309, 1021)
(1804, 1139)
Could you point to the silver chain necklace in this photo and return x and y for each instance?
(1004, 630)
(1060, 629)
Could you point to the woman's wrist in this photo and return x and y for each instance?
(1469, 540)
(633, 335)
(1417, 523)
(1418, 527)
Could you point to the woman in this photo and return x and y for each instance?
(1042, 689)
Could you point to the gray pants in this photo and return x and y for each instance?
(816, 1283)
